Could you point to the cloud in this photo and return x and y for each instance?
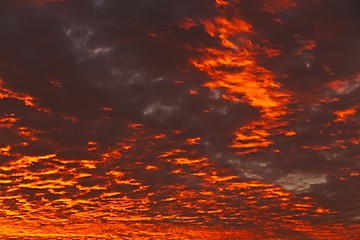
(208, 112)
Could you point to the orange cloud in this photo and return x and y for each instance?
(307, 46)
(222, 3)
(255, 83)
(187, 23)
(344, 115)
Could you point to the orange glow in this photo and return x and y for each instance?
(171, 153)
(7, 120)
(355, 141)
(28, 133)
(307, 46)
(193, 92)
(5, 150)
(221, 3)
(181, 203)
(187, 23)
(160, 136)
(107, 109)
(92, 146)
(223, 28)
(27, 100)
(248, 79)
(344, 115)
(271, 52)
(316, 148)
(192, 141)
(134, 125)
(228, 152)
(253, 138)
(151, 167)
(7, 93)
(116, 152)
(185, 161)
(290, 133)
(342, 86)
(232, 98)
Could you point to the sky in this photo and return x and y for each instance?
(168, 119)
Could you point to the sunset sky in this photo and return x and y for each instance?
(180, 119)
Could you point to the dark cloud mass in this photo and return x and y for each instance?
(166, 119)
